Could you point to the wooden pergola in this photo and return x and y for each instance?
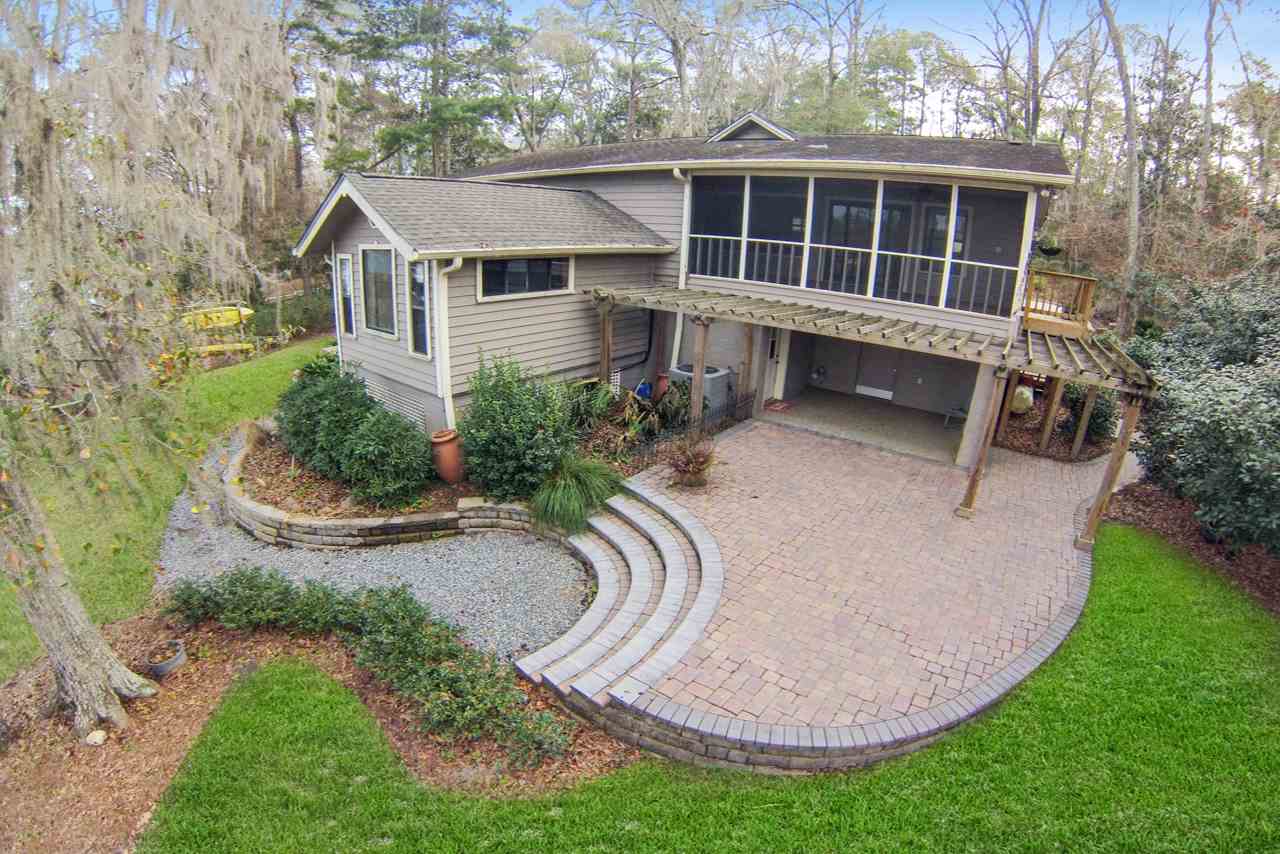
(1059, 357)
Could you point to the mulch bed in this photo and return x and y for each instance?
(1252, 568)
(273, 476)
(1023, 435)
(58, 794)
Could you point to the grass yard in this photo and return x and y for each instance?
(1153, 729)
(114, 579)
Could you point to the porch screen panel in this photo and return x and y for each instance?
(715, 225)
(379, 290)
(913, 242)
(775, 229)
(987, 248)
(843, 216)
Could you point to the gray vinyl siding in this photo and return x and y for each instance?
(654, 198)
(558, 334)
(402, 381)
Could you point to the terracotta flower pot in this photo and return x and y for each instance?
(446, 452)
(661, 386)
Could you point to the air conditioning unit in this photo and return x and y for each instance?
(717, 387)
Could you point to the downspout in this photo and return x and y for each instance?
(445, 377)
(684, 261)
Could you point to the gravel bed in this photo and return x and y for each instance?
(510, 593)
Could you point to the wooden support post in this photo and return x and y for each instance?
(965, 510)
(700, 326)
(1056, 386)
(747, 382)
(1118, 451)
(1083, 427)
(605, 308)
(1010, 389)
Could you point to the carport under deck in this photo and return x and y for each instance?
(871, 422)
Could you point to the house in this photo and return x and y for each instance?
(877, 283)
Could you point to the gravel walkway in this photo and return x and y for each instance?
(510, 593)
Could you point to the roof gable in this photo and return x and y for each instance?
(751, 125)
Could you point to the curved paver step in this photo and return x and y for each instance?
(631, 546)
(613, 578)
(594, 683)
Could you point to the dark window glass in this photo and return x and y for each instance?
(717, 205)
(777, 208)
(512, 276)
(345, 295)
(379, 293)
(418, 273)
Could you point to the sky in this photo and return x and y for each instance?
(1257, 27)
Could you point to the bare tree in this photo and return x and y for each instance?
(1129, 276)
(134, 145)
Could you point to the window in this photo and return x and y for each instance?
(717, 205)
(517, 277)
(379, 290)
(419, 288)
(343, 286)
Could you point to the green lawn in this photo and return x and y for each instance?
(1155, 728)
(114, 579)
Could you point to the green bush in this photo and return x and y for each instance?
(459, 692)
(318, 413)
(387, 460)
(1213, 433)
(1102, 420)
(587, 401)
(313, 312)
(577, 488)
(515, 429)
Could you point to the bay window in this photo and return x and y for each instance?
(378, 282)
(420, 273)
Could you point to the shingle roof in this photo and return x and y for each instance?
(450, 214)
(937, 152)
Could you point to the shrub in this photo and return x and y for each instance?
(691, 459)
(1102, 420)
(515, 429)
(575, 490)
(386, 459)
(1213, 433)
(460, 692)
(318, 413)
(587, 402)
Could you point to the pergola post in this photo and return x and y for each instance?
(965, 510)
(1056, 386)
(700, 326)
(1010, 389)
(1083, 427)
(1112, 473)
(605, 307)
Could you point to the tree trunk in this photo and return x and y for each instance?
(1206, 133)
(1129, 277)
(89, 679)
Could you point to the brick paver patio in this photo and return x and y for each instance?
(852, 593)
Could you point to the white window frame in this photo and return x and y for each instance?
(337, 284)
(480, 297)
(429, 285)
(364, 303)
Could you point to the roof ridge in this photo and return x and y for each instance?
(479, 179)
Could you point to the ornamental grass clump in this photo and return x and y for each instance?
(460, 692)
(576, 489)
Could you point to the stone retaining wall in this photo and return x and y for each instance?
(281, 528)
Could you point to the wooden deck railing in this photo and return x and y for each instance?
(1059, 303)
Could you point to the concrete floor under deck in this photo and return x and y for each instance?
(872, 422)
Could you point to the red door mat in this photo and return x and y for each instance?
(775, 405)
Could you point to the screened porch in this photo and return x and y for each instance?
(946, 245)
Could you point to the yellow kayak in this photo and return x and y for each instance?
(218, 349)
(222, 317)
